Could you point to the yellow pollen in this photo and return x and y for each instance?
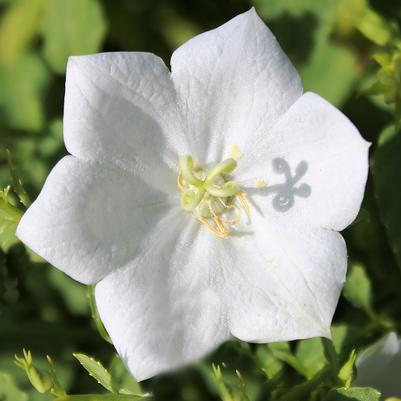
(261, 184)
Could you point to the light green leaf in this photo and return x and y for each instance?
(9, 219)
(22, 84)
(97, 371)
(100, 397)
(19, 25)
(331, 73)
(71, 27)
(271, 366)
(358, 289)
(17, 183)
(354, 394)
(9, 391)
(387, 178)
(348, 371)
(311, 354)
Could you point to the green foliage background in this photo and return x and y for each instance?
(331, 42)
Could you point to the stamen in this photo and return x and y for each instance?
(237, 217)
(180, 183)
(242, 198)
(212, 229)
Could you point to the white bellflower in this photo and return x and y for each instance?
(204, 202)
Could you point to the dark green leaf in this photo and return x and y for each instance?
(387, 179)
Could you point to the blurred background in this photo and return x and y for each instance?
(331, 42)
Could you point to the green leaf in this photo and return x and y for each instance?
(17, 183)
(358, 289)
(348, 371)
(9, 391)
(331, 73)
(100, 397)
(354, 394)
(97, 371)
(387, 178)
(71, 27)
(283, 353)
(19, 25)
(311, 354)
(9, 219)
(22, 84)
(123, 378)
(271, 366)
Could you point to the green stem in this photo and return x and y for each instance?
(305, 389)
(95, 314)
(332, 358)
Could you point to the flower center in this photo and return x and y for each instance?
(211, 196)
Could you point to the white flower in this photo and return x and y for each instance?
(170, 289)
(380, 366)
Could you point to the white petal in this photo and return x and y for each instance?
(234, 82)
(121, 107)
(283, 282)
(162, 310)
(331, 157)
(380, 366)
(90, 219)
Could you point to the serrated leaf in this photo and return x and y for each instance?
(97, 371)
(71, 27)
(100, 397)
(387, 178)
(354, 394)
(17, 183)
(358, 289)
(9, 218)
(9, 391)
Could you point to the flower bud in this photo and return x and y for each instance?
(42, 382)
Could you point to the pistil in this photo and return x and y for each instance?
(210, 195)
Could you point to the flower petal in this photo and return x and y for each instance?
(162, 310)
(283, 282)
(319, 156)
(121, 107)
(234, 82)
(90, 219)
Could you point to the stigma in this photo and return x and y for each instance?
(211, 196)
